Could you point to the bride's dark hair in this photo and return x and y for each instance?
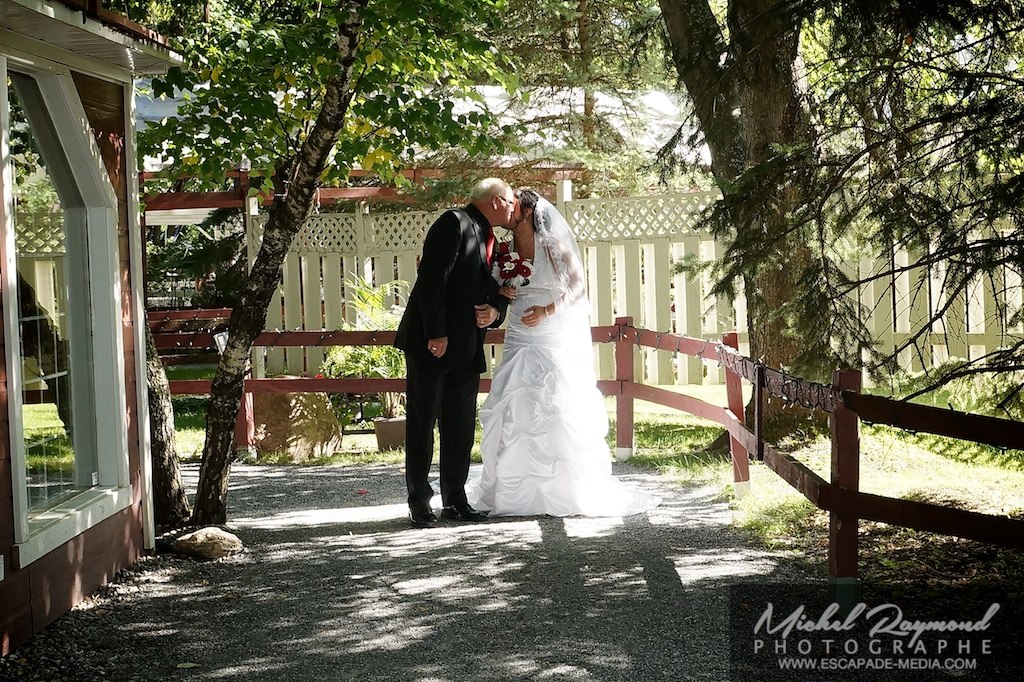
(527, 198)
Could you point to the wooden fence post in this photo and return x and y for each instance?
(251, 210)
(734, 399)
(844, 580)
(245, 428)
(624, 375)
(563, 195)
(759, 384)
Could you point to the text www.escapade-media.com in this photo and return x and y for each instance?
(795, 663)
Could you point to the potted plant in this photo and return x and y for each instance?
(376, 308)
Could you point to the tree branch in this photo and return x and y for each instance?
(700, 55)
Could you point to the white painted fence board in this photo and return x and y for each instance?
(711, 326)
(407, 267)
(658, 318)
(312, 308)
(1014, 297)
(686, 290)
(274, 357)
(333, 291)
(602, 311)
(293, 357)
(629, 247)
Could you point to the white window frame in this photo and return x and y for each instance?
(38, 533)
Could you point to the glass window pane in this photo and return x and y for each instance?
(42, 266)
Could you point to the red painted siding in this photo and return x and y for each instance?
(33, 596)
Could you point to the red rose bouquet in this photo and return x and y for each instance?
(510, 269)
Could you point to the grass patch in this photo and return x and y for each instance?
(956, 450)
(895, 562)
(898, 563)
(185, 372)
(189, 426)
(677, 447)
(39, 420)
(48, 449)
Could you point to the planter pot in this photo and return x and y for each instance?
(390, 432)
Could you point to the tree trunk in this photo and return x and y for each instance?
(766, 33)
(697, 47)
(248, 316)
(586, 57)
(170, 505)
(747, 102)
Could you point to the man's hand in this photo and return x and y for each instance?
(485, 315)
(438, 347)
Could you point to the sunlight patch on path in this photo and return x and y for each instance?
(702, 566)
(308, 518)
(582, 527)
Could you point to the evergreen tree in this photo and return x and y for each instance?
(846, 129)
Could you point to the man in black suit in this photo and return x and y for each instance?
(453, 302)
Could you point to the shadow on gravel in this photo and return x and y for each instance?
(335, 585)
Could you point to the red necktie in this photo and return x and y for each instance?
(490, 246)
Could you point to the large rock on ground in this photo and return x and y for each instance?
(302, 425)
(208, 543)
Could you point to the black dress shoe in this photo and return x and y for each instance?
(463, 512)
(423, 518)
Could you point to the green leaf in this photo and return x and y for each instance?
(257, 77)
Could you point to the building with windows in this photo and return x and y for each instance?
(74, 465)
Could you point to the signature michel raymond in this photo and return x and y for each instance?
(885, 619)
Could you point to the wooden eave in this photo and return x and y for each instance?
(84, 28)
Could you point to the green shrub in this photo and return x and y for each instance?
(997, 394)
(377, 307)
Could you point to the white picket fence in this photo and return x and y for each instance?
(976, 322)
(630, 246)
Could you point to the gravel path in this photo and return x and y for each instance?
(335, 585)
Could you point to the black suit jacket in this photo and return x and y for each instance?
(453, 277)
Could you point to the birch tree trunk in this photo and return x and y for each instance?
(248, 316)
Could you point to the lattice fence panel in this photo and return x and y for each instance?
(328, 233)
(40, 233)
(233, 223)
(398, 232)
(612, 231)
(607, 220)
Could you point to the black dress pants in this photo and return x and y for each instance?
(445, 396)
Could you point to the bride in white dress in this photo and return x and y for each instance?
(544, 420)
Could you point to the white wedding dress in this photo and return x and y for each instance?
(544, 420)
